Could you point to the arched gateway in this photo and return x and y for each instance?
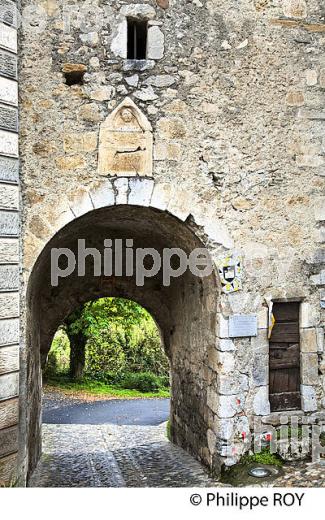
(184, 306)
(174, 124)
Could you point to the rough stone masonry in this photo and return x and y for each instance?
(215, 138)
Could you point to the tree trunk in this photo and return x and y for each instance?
(77, 355)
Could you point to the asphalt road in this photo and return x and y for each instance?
(142, 412)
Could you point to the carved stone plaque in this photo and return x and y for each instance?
(125, 142)
(242, 325)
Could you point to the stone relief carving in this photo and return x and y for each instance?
(125, 142)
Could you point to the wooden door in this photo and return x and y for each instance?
(285, 358)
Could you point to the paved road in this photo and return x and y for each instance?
(145, 412)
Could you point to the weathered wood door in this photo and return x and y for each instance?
(285, 358)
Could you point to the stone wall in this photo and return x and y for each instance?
(232, 98)
(9, 244)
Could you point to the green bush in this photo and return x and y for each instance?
(143, 381)
(105, 358)
(58, 358)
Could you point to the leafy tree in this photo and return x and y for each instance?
(107, 324)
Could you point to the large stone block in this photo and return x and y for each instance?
(161, 196)
(9, 331)
(9, 305)
(8, 38)
(8, 441)
(8, 251)
(9, 411)
(308, 340)
(308, 398)
(9, 278)
(103, 195)
(222, 327)
(121, 187)
(231, 384)
(8, 64)
(260, 371)
(229, 405)
(8, 143)
(261, 403)
(9, 169)
(155, 44)
(319, 209)
(9, 91)
(8, 469)
(225, 345)
(9, 359)
(309, 368)
(9, 384)
(8, 13)
(9, 197)
(225, 362)
(308, 317)
(140, 191)
(8, 118)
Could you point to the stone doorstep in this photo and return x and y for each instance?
(275, 418)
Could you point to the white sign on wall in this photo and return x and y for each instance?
(242, 325)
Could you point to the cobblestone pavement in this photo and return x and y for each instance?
(77, 455)
(135, 456)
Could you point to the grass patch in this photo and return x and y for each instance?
(99, 389)
(169, 430)
(264, 457)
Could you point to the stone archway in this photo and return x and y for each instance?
(185, 311)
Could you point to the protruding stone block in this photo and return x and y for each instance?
(9, 305)
(8, 64)
(9, 278)
(9, 385)
(8, 250)
(8, 38)
(8, 441)
(9, 169)
(8, 469)
(8, 91)
(8, 13)
(9, 332)
(9, 223)
(9, 413)
(9, 197)
(8, 143)
(9, 359)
